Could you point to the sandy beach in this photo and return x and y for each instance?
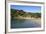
(37, 20)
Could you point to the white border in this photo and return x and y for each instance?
(25, 29)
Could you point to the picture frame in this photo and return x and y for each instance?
(24, 29)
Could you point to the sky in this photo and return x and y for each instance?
(33, 9)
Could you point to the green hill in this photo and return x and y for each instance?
(17, 13)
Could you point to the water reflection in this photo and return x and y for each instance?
(24, 23)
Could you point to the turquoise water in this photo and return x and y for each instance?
(24, 23)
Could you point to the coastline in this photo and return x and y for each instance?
(37, 20)
(20, 17)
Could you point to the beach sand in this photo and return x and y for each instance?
(37, 20)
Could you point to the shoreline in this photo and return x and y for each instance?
(20, 17)
(37, 20)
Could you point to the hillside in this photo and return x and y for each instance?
(20, 13)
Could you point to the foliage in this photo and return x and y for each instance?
(17, 13)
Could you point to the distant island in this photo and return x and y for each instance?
(21, 14)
